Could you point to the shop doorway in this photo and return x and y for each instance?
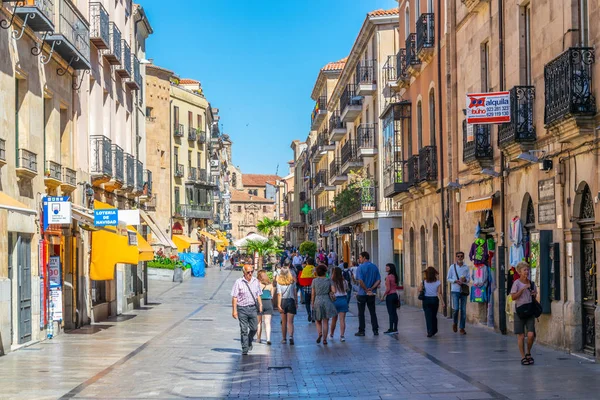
(588, 273)
(23, 269)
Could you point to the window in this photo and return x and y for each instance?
(413, 255)
(200, 125)
(190, 119)
(584, 22)
(430, 6)
(406, 22)
(176, 155)
(176, 115)
(177, 196)
(419, 125)
(239, 208)
(199, 158)
(417, 12)
(526, 44)
(423, 248)
(485, 67)
(432, 117)
(264, 209)
(189, 158)
(149, 111)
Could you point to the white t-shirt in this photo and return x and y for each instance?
(431, 288)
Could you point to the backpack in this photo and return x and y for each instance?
(346, 276)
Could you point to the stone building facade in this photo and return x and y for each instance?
(247, 210)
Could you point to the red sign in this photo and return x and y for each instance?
(488, 108)
(177, 229)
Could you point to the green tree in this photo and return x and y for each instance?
(270, 226)
(262, 248)
(309, 248)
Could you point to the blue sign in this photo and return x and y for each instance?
(107, 217)
(56, 210)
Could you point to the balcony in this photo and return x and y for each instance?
(474, 5)
(69, 180)
(367, 143)
(477, 146)
(322, 146)
(215, 133)
(395, 179)
(118, 159)
(52, 175)
(192, 174)
(390, 72)
(139, 177)
(101, 159)
(413, 170)
(178, 130)
(520, 131)
(203, 211)
(26, 164)
(350, 159)
(192, 134)
(135, 82)
(36, 14)
(179, 171)
(124, 69)
(413, 63)
(72, 38)
(2, 152)
(425, 37)
(366, 77)
(570, 102)
(428, 169)
(201, 137)
(319, 113)
(203, 176)
(321, 182)
(337, 127)
(353, 205)
(350, 104)
(129, 172)
(99, 30)
(402, 75)
(113, 54)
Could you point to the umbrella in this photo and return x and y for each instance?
(253, 236)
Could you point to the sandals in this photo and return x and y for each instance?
(324, 342)
(319, 339)
(283, 341)
(291, 341)
(531, 360)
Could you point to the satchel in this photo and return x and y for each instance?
(464, 288)
(253, 298)
(533, 309)
(332, 296)
(422, 293)
(397, 303)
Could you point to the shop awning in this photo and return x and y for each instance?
(146, 251)
(482, 204)
(184, 242)
(210, 236)
(10, 204)
(161, 237)
(108, 249)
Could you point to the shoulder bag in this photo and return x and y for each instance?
(533, 309)
(464, 288)
(252, 294)
(422, 292)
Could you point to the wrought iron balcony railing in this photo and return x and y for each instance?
(203, 175)
(349, 98)
(99, 30)
(129, 170)
(201, 137)
(124, 69)
(335, 167)
(428, 169)
(101, 156)
(321, 177)
(73, 30)
(390, 69)
(320, 107)
(352, 200)
(27, 160)
(53, 170)
(147, 183)
(479, 146)
(135, 81)
(139, 176)
(366, 136)
(401, 63)
(114, 53)
(366, 72)
(200, 211)
(192, 173)
(395, 172)
(413, 169)
(349, 152)
(179, 170)
(118, 170)
(568, 85)
(411, 50)
(178, 130)
(521, 128)
(192, 134)
(425, 32)
(69, 176)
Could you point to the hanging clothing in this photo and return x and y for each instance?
(516, 231)
(479, 275)
(479, 252)
(477, 230)
(516, 254)
(491, 245)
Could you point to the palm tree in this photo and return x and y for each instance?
(262, 248)
(268, 226)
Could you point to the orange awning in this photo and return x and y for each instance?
(482, 204)
(146, 251)
(10, 204)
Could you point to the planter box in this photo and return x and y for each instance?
(160, 274)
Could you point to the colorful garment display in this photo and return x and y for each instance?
(479, 252)
(479, 294)
(516, 252)
(491, 245)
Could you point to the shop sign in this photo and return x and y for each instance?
(57, 210)
(488, 108)
(56, 304)
(130, 217)
(547, 213)
(546, 190)
(345, 230)
(132, 238)
(54, 271)
(106, 217)
(177, 229)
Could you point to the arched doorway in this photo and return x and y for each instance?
(436, 249)
(528, 220)
(586, 220)
(412, 255)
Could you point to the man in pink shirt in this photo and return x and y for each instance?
(246, 304)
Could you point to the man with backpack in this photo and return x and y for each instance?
(347, 275)
(458, 275)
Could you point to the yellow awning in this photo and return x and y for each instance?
(184, 242)
(108, 249)
(10, 204)
(146, 251)
(210, 236)
(482, 204)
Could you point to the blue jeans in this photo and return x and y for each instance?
(459, 303)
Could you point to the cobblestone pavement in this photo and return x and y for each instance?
(185, 344)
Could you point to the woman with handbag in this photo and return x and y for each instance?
(392, 301)
(430, 292)
(339, 287)
(523, 293)
(267, 312)
(322, 304)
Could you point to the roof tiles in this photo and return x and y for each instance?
(258, 179)
(381, 12)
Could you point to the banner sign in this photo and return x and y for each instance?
(57, 210)
(56, 304)
(106, 217)
(488, 108)
(54, 271)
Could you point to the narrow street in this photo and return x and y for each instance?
(185, 345)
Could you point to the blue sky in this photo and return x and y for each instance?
(257, 61)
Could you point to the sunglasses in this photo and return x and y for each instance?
(249, 272)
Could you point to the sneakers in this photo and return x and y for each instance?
(454, 328)
(390, 331)
(291, 341)
(245, 352)
(359, 334)
(342, 339)
(376, 333)
(463, 332)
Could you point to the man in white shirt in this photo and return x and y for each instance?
(215, 255)
(458, 275)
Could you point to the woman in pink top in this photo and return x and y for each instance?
(392, 301)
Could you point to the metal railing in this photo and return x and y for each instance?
(335, 167)
(74, 29)
(349, 152)
(521, 128)
(356, 199)
(27, 159)
(201, 137)
(349, 98)
(568, 85)
(389, 69)
(201, 211)
(137, 75)
(425, 32)
(480, 147)
(179, 170)
(411, 50)
(192, 134)
(401, 72)
(147, 183)
(126, 58)
(366, 136)
(114, 46)
(203, 175)
(45, 6)
(53, 170)
(3, 149)
(395, 172)
(192, 173)
(320, 105)
(101, 156)
(428, 164)
(130, 170)
(321, 177)
(118, 170)
(366, 72)
(139, 176)
(335, 122)
(413, 169)
(178, 130)
(69, 176)
(99, 27)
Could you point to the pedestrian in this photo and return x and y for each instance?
(246, 305)
(353, 271)
(392, 301)
(220, 260)
(432, 299)
(323, 308)
(215, 256)
(523, 292)
(347, 275)
(286, 302)
(306, 279)
(267, 306)
(339, 287)
(458, 275)
(368, 278)
(331, 258)
(321, 257)
(297, 267)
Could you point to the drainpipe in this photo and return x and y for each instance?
(441, 146)
(502, 247)
(170, 166)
